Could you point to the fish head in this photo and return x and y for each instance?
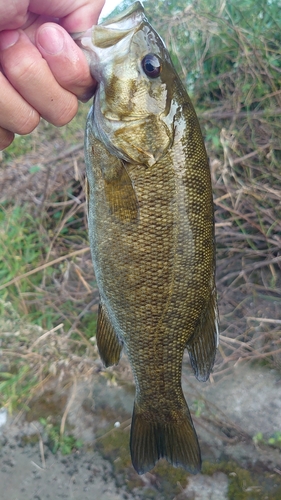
(135, 106)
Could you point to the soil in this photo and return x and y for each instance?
(228, 414)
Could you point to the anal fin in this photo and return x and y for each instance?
(108, 343)
(202, 348)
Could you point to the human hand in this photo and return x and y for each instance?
(42, 70)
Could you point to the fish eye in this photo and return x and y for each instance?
(151, 65)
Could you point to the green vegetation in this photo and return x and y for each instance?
(274, 440)
(65, 443)
(26, 245)
(20, 146)
(46, 276)
(246, 484)
(15, 387)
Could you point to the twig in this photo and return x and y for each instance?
(44, 266)
(36, 465)
(234, 341)
(41, 447)
(243, 114)
(247, 269)
(82, 313)
(64, 154)
(122, 426)
(84, 282)
(250, 155)
(68, 406)
(265, 320)
(45, 335)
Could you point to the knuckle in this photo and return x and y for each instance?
(24, 69)
(20, 18)
(15, 15)
(27, 122)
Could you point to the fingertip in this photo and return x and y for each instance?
(84, 17)
(86, 96)
(66, 60)
(59, 50)
(8, 38)
(50, 39)
(6, 138)
(67, 111)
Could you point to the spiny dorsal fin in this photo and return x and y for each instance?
(108, 344)
(202, 349)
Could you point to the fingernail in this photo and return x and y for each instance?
(8, 39)
(51, 40)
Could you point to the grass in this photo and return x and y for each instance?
(46, 274)
(35, 276)
(58, 441)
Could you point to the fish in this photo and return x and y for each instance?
(151, 232)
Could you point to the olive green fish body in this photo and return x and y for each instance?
(151, 235)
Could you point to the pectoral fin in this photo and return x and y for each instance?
(202, 348)
(119, 190)
(108, 343)
(121, 196)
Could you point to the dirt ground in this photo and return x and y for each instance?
(232, 412)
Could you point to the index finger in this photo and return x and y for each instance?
(13, 14)
(75, 15)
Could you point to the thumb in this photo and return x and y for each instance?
(65, 59)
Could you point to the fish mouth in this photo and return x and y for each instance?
(128, 19)
(110, 35)
(113, 30)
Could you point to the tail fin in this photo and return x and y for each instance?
(176, 441)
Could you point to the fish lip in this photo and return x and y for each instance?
(133, 15)
(109, 34)
(125, 22)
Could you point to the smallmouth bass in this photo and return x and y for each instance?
(151, 230)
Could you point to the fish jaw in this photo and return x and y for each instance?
(106, 41)
(127, 101)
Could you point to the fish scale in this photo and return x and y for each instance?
(151, 229)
